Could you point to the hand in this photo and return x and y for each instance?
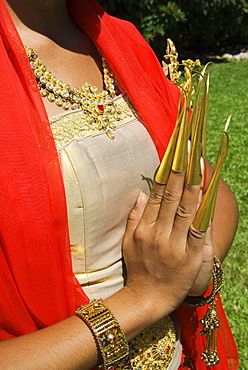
(162, 251)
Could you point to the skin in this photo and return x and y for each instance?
(166, 258)
(39, 25)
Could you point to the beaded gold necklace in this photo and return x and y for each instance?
(98, 108)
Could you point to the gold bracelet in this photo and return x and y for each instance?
(106, 330)
(218, 282)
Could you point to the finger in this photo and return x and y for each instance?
(171, 200)
(208, 239)
(208, 249)
(153, 204)
(136, 214)
(185, 213)
(195, 243)
(166, 197)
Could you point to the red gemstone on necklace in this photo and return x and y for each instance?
(101, 108)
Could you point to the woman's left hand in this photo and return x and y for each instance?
(204, 277)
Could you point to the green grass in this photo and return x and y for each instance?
(229, 93)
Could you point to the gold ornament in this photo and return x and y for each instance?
(106, 331)
(190, 129)
(99, 108)
(151, 350)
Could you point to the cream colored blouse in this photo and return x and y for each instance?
(102, 178)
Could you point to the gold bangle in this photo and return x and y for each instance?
(218, 282)
(106, 331)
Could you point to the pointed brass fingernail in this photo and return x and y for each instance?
(205, 213)
(198, 135)
(164, 169)
(180, 160)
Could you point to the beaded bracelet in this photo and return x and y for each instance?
(211, 322)
(106, 330)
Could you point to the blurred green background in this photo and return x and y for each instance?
(229, 93)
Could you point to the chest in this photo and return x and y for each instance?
(102, 180)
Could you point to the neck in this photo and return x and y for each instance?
(47, 17)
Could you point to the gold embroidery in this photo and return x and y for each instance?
(153, 349)
(73, 126)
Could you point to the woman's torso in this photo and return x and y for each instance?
(102, 180)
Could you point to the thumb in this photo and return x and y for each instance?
(208, 251)
(136, 213)
(208, 254)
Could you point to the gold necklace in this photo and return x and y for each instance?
(98, 108)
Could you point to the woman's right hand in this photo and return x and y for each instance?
(162, 251)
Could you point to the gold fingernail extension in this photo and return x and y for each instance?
(164, 169)
(198, 134)
(206, 210)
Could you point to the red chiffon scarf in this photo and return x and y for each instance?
(37, 286)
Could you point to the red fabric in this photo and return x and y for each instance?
(33, 219)
(194, 342)
(37, 287)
